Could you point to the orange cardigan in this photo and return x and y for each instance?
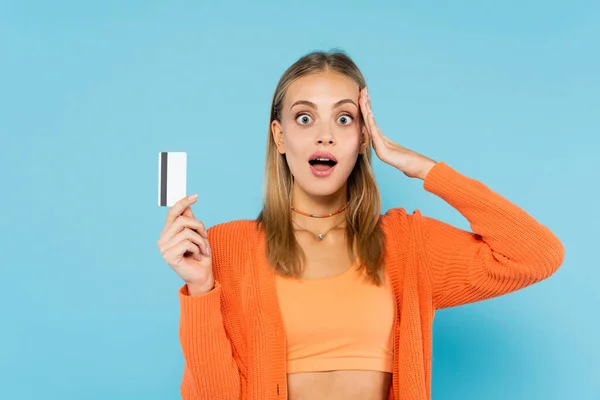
(233, 339)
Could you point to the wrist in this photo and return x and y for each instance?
(428, 164)
(198, 289)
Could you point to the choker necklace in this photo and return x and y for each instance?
(321, 215)
(321, 235)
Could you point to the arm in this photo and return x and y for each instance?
(508, 249)
(212, 366)
(210, 370)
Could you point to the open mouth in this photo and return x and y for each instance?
(322, 163)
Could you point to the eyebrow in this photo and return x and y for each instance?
(313, 105)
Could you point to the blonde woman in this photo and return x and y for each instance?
(322, 296)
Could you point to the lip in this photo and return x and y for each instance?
(322, 154)
(322, 174)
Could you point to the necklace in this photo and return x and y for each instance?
(319, 236)
(321, 215)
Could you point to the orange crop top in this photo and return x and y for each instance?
(343, 322)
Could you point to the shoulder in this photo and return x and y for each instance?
(397, 220)
(232, 235)
(233, 229)
(231, 245)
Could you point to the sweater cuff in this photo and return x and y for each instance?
(204, 308)
(447, 183)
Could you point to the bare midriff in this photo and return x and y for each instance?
(339, 385)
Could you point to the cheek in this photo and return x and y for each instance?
(296, 147)
(352, 140)
(294, 140)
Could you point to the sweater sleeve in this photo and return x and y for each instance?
(210, 370)
(507, 250)
(210, 324)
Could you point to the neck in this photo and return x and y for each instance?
(318, 205)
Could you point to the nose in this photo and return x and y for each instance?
(325, 137)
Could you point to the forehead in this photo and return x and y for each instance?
(322, 87)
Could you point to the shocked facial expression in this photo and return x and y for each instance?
(320, 132)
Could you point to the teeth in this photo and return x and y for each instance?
(322, 159)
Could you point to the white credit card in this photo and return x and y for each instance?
(172, 178)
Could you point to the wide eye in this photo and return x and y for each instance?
(345, 119)
(303, 119)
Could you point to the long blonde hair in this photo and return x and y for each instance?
(283, 252)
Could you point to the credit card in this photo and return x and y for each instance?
(172, 170)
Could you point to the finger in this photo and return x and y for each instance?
(206, 249)
(190, 236)
(367, 110)
(198, 240)
(372, 125)
(193, 223)
(178, 232)
(179, 250)
(364, 108)
(182, 222)
(188, 213)
(179, 208)
(376, 135)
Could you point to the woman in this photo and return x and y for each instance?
(321, 297)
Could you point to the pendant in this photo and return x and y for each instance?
(320, 236)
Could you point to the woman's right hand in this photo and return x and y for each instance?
(184, 245)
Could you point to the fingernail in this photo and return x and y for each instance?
(193, 197)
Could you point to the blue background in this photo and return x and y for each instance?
(505, 92)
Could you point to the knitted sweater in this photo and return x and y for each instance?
(233, 338)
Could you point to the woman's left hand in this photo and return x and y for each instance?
(412, 164)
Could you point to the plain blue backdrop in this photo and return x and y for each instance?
(90, 92)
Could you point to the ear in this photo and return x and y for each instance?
(277, 132)
(364, 140)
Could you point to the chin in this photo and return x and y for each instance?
(320, 187)
(322, 190)
(325, 184)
